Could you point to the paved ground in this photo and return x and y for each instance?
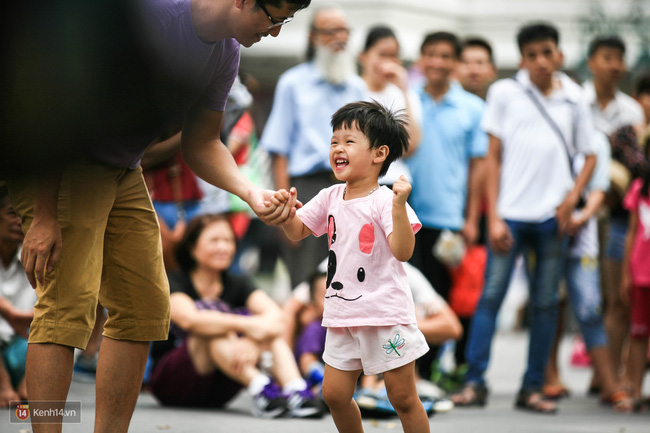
(578, 414)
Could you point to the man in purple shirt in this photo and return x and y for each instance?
(91, 232)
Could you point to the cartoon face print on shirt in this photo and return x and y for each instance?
(339, 282)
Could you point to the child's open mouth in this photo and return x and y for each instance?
(340, 163)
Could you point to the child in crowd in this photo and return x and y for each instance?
(310, 343)
(635, 284)
(369, 312)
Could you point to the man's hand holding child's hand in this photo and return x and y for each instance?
(286, 200)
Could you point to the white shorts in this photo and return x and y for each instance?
(375, 349)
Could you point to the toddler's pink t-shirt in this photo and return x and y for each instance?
(366, 284)
(640, 254)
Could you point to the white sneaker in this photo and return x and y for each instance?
(442, 405)
(429, 390)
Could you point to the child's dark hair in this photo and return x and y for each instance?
(645, 187)
(450, 38)
(642, 86)
(378, 33)
(536, 32)
(611, 41)
(380, 126)
(315, 276)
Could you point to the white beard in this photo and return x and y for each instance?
(336, 67)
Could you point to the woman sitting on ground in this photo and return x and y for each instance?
(221, 324)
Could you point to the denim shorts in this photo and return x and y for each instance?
(615, 247)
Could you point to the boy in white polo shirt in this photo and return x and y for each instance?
(536, 121)
(611, 110)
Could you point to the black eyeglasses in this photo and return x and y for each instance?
(274, 22)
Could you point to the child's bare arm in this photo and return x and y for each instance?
(402, 239)
(293, 227)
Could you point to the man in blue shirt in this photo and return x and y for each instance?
(298, 131)
(449, 162)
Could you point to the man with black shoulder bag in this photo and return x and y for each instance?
(536, 123)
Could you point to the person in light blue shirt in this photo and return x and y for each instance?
(447, 166)
(298, 128)
(451, 139)
(298, 132)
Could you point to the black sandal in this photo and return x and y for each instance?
(534, 401)
(470, 395)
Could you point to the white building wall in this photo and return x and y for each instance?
(495, 20)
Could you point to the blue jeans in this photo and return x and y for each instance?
(583, 284)
(549, 250)
(14, 357)
(615, 247)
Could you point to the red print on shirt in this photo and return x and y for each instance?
(367, 238)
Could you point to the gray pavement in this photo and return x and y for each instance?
(578, 414)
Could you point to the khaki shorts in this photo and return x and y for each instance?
(111, 252)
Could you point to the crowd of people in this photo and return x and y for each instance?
(429, 182)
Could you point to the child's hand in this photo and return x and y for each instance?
(401, 191)
(280, 197)
(288, 202)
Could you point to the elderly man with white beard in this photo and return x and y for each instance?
(298, 131)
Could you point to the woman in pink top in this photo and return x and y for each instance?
(369, 311)
(635, 285)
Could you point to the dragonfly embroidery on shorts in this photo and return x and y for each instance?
(396, 343)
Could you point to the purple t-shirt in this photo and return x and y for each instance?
(311, 340)
(189, 71)
(366, 284)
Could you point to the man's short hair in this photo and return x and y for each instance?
(450, 38)
(478, 43)
(642, 86)
(4, 196)
(381, 126)
(537, 32)
(611, 41)
(297, 4)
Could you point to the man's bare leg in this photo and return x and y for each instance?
(120, 370)
(48, 371)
